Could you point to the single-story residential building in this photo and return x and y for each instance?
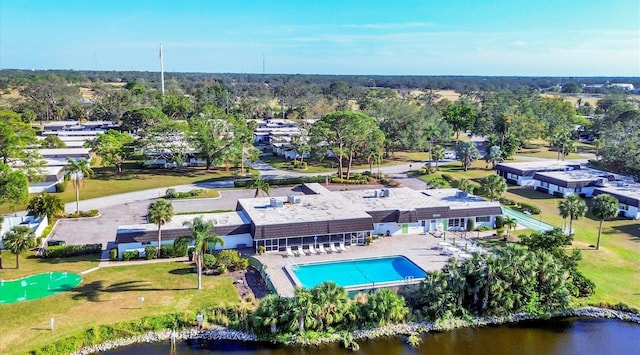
(628, 195)
(522, 173)
(37, 225)
(52, 175)
(578, 181)
(232, 227)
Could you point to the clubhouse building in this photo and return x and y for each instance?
(323, 217)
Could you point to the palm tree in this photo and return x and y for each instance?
(201, 236)
(332, 300)
(572, 207)
(494, 156)
(269, 312)
(46, 205)
(510, 223)
(604, 207)
(303, 310)
(78, 168)
(493, 186)
(18, 240)
(430, 132)
(437, 154)
(160, 212)
(467, 153)
(260, 185)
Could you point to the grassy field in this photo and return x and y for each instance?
(614, 268)
(106, 181)
(105, 296)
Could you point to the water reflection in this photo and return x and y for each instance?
(565, 336)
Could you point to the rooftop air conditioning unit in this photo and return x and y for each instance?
(274, 202)
(290, 198)
(602, 181)
(384, 192)
(462, 194)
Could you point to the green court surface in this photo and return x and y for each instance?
(528, 222)
(37, 286)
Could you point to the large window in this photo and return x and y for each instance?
(457, 222)
(483, 219)
(622, 206)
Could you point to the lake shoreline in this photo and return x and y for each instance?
(222, 333)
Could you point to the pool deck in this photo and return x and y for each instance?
(421, 249)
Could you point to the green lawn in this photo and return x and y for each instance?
(105, 296)
(106, 181)
(614, 268)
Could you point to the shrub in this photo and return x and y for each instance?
(150, 252)
(61, 186)
(448, 178)
(471, 224)
(130, 255)
(170, 192)
(483, 228)
(209, 261)
(352, 181)
(167, 251)
(63, 251)
(261, 249)
(89, 213)
(522, 207)
(47, 230)
(113, 254)
(231, 260)
(499, 221)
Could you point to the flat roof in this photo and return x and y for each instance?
(586, 174)
(546, 164)
(63, 151)
(451, 198)
(626, 192)
(400, 198)
(220, 220)
(312, 208)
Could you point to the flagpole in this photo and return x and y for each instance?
(161, 70)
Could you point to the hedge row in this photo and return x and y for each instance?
(172, 193)
(63, 251)
(89, 213)
(286, 181)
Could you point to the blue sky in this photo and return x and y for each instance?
(427, 37)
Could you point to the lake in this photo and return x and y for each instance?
(558, 336)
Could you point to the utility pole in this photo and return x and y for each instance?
(161, 70)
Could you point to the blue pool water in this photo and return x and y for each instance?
(358, 272)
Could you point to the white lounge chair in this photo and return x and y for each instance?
(312, 250)
(342, 247)
(321, 249)
(332, 247)
(289, 252)
(301, 251)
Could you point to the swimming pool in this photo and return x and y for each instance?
(359, 273)
(37, 286)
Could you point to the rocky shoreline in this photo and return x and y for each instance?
(221, 333)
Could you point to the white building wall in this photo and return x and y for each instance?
(396, 228)
(631, 212)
